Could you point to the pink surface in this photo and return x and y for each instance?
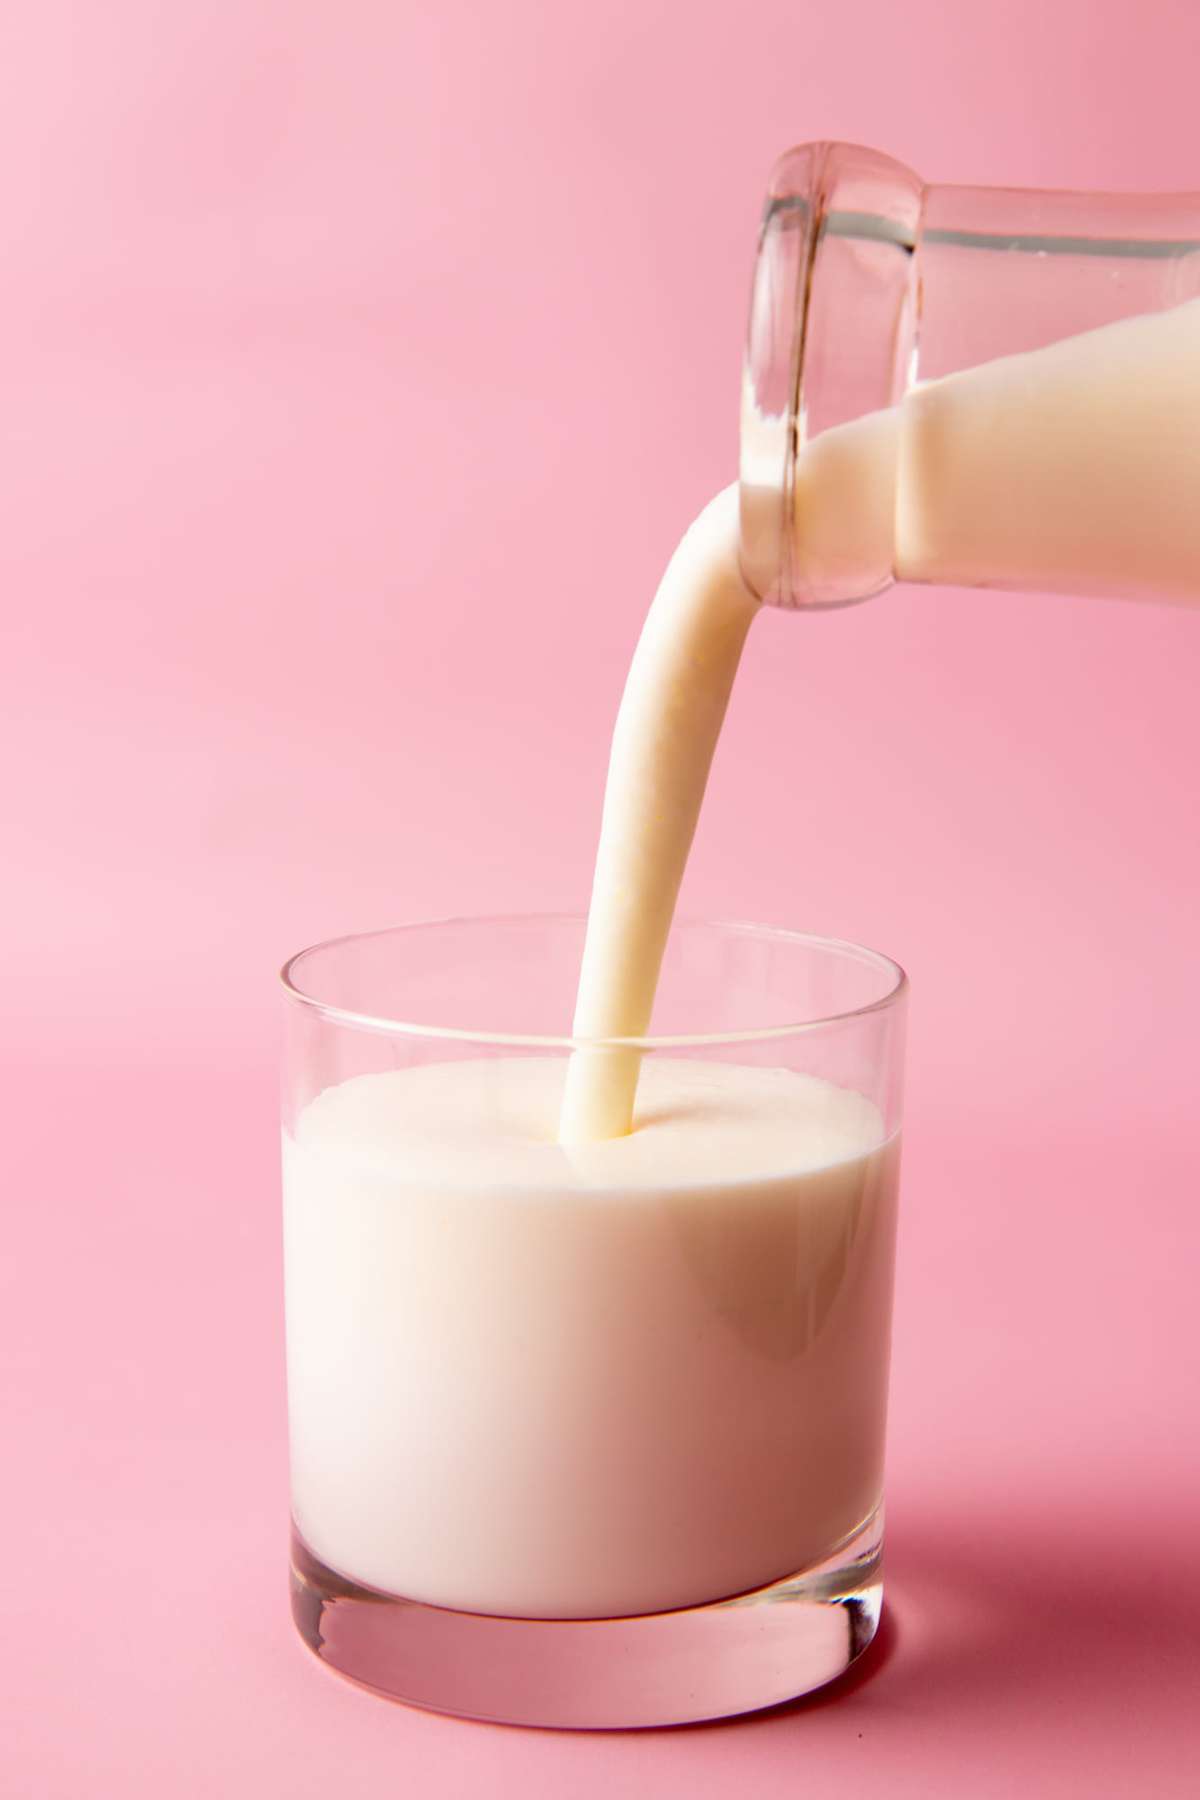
(361, 366)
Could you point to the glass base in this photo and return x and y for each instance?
(706, 1662)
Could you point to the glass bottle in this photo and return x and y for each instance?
(971, 386)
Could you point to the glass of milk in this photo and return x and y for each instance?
(588, 1435)
(965, 385)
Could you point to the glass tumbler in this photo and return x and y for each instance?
(910, 410)
(589, 1436)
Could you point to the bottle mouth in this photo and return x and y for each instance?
(770, 410)
(830, 341)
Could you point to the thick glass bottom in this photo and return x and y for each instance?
(734, 1655)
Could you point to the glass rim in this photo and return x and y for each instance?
(389, 1027)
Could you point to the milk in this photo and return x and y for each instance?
(619, 1345)
(625, 1377)
(667, 728)
(1073, 468)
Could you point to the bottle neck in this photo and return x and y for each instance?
(891, 321)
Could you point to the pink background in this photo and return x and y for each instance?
(361, 365)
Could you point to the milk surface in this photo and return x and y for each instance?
(556, 1382)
